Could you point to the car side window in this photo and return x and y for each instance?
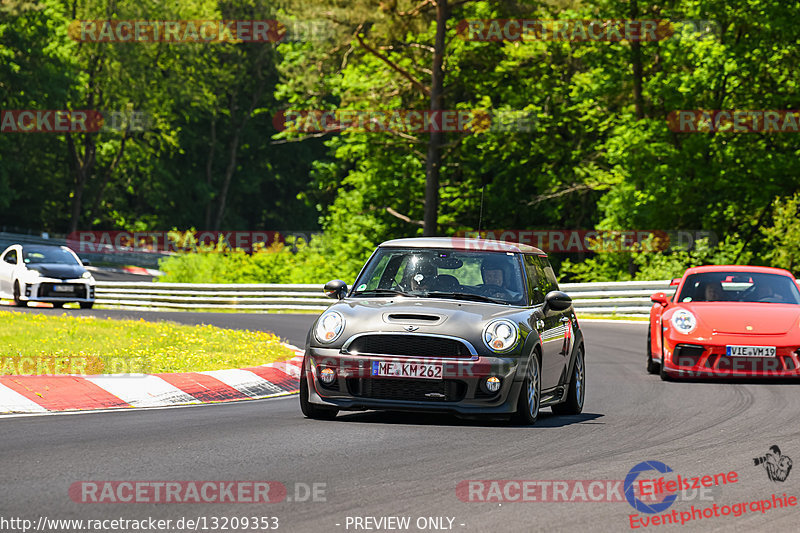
(545, 275)
(550, 275)
(534, 272)
(11, 257)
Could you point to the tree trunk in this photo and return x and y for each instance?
(212, 146)
(434, 159)
(82, 169)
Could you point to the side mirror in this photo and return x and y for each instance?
(675, 282)
(86, 262)
(660, 298)
(335, 289)
(557, 301)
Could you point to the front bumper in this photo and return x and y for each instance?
(44, 290)
(461, 390)
(704, 359)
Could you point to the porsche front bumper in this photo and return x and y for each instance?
(690, 358)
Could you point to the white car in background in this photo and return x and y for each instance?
(39, 273)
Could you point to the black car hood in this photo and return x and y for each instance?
(57, 270)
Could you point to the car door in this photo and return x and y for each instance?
(546, 321)
(565, 317)
(8, 262)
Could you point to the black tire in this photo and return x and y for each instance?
(576, 394)
(530, 394)
(86, 305)
(652, 366)
(17, 296)
(309, 409)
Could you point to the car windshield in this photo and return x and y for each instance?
(739, 287)
(442, 273)
(47, 255)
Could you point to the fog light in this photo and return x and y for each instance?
(493, 384)
(327, 375)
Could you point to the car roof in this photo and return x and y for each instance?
(462, 243)
(738, 268)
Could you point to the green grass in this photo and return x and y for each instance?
(32, 343)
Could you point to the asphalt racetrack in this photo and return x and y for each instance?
(368, 467)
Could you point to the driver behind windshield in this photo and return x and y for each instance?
(765, 292)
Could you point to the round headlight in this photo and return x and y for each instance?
(86, 275)
(34, 273)
(500, 335)
(684, 321)
(329, 326)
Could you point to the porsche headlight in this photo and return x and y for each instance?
(329, 326)
(34, 273)
(500, 335)
(684, 321)
(86, 275)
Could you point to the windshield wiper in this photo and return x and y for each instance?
(465, 296)
(381, 291)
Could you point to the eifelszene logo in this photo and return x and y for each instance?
(656, 494)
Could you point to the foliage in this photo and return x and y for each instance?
(650, 265)
(783, 237)
(593, 148)
(294, 262)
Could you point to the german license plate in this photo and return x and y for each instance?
(63, 288)
(750, 351)
(396, 369)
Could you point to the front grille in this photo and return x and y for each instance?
(78, 291)
(409, 345)
(447, 390)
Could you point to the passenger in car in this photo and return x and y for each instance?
(713, 292)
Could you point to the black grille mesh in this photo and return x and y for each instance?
(409, 345)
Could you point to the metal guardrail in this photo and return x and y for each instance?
(605, 298)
